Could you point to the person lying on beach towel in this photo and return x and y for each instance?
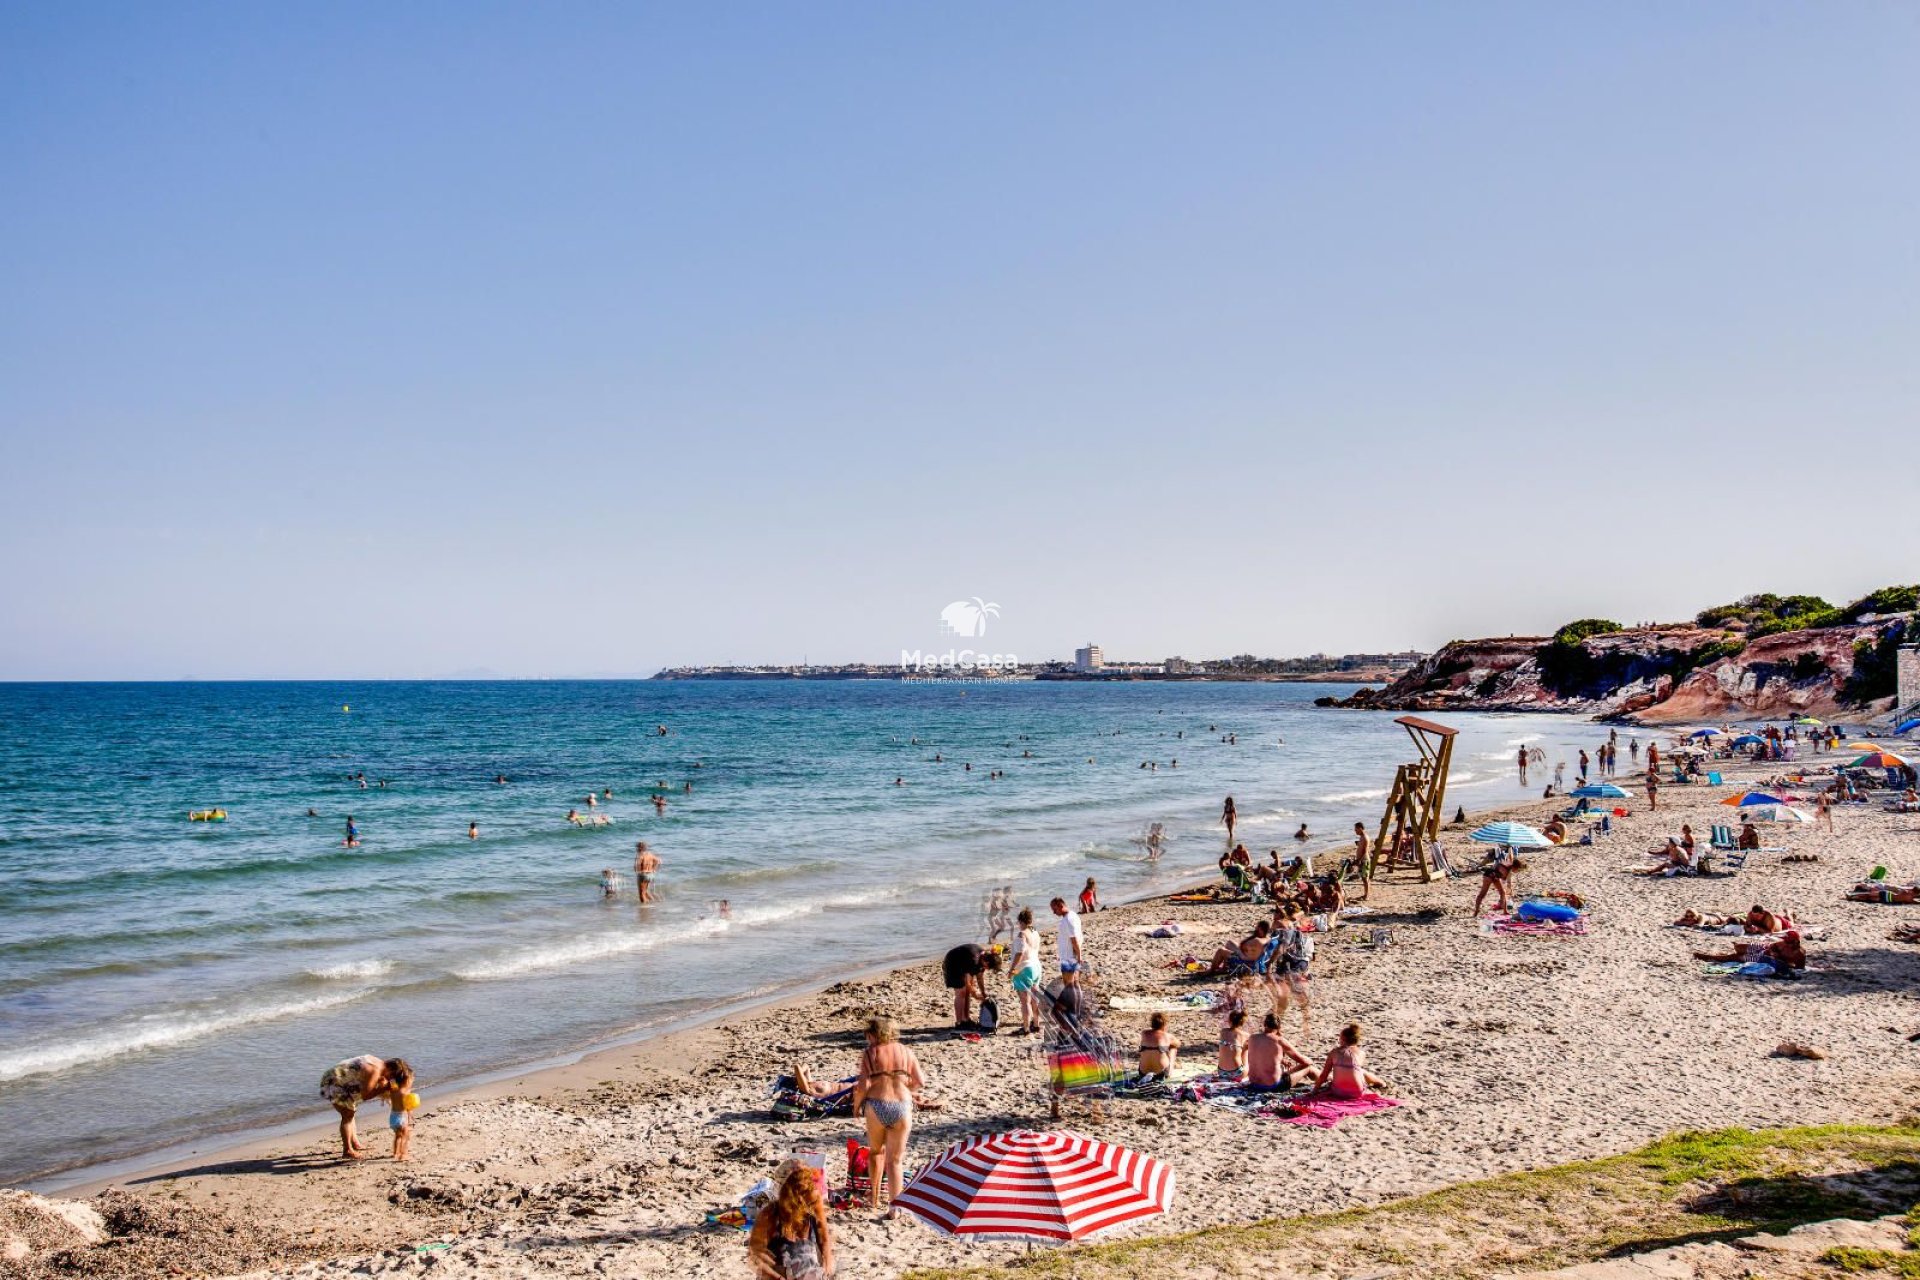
(1885, 894)
(1785, 953)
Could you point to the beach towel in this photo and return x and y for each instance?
(1197, 1002)
(1323, 1111)
(1743, 969)
(1496, 926)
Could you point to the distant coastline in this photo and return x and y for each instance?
(1369, 669)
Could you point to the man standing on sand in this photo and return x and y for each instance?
(1523, 766)
(1067, 933)
(646, 865)
(1653, 788)
(1361, 860)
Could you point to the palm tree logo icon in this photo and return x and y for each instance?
(967, 617)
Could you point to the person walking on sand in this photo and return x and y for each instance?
(883, 1092)
(1823, 812)
(356, 1080)
(791, 1238)
(1653, 785)
(1229, 817)
(646, 865)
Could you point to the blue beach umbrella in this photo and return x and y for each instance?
(1599, 791)
(1748, 740)
(1517, 834)
(1704, 733)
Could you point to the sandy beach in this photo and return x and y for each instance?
(1510, 1053)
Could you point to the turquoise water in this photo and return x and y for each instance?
(161, 977)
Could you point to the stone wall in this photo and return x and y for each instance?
(1908, 668)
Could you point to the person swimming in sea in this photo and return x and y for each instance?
(608, 889)
(473, 831)
(353, 834)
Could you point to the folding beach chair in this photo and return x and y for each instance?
(1723, 838)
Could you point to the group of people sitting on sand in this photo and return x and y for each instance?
(1262, 1061)
(1760, 936)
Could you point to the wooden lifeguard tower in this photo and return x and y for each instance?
(1410, 827)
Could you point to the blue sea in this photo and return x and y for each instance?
(161, 977)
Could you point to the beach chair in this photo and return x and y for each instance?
(1713, 780)
(1723, 838)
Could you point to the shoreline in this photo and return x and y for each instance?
(86, 1181)
(608, 1160)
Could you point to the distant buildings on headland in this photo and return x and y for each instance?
(1089, 663)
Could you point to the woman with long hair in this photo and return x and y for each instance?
(883, 1097)
(791, 1239)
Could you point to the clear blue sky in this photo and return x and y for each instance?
(408, 339)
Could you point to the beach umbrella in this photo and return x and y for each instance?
(1809, 720)
(1517, 834)
(1598, 791)
(1746, 798)
(1048, 1186)
(1906, 725)
(1748, 740)
(1704, 733)
(1779, 813)
(1878, 760)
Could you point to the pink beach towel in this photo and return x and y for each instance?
(1323, 1111)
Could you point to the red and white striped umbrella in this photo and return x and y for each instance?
(1055, 1186)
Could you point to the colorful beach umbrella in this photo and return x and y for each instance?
(1878, 760)
(1047, 1186)
(1517, 834)
(1598, 791)
(1746, 798)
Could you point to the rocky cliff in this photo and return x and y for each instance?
(1647, 674)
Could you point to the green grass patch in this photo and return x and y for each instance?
(1684, 1188)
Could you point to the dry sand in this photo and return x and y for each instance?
(1511, 1053)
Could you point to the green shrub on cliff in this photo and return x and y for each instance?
(1765, 609)
(1828, 617)
(1882, 602)
(1574, 632)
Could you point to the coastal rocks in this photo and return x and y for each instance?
(1654, 674)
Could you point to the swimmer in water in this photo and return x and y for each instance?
(725, 909)
(592, 800)
(688, 789)
(573, 816)
(1301, 834)
(353, 834)
(608, 889)
(473, 831)
(660, 804)
(312, 814)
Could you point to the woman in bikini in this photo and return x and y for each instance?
(883, 1096)
(1233, 1046)
(1158, 1049)
(1345, 1074)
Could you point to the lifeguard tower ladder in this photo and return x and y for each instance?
(1415, 805)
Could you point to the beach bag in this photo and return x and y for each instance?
(989, 1016)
